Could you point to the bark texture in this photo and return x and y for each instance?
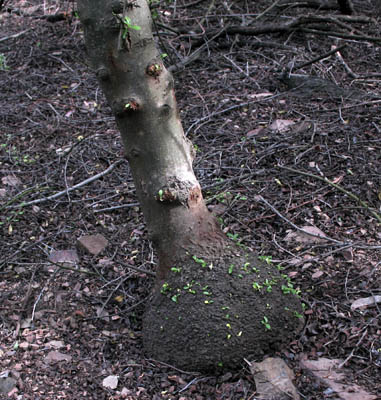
(213, 303)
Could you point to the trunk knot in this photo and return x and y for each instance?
(154, 69)
(125, 106)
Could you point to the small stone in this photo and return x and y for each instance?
(56, 344)
(7, 384)
(110, 382)
(68, 257)
(56, 356)
(93, 244)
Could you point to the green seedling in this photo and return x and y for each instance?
(232, 236)
(287, 289)
(266, 259)
(230, 270)
(298, 315)
(224, 197)
(165, 288)
(257, 286)
(268, 285)
(246, 267)
(265, 322)
(240, 197)
(188, 285)
(127, 24)
(199, 261)
(161, 194)
(176, 269)
(175, 297)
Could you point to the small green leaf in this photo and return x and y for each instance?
(230, 270)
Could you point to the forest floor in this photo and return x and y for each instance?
(273, 156)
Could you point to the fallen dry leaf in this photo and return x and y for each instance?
(365, 301)
(273, 379)
(281, 125)
(327, 371)
(255, 131)
(10, 180)
(317, 274)
(308, 236)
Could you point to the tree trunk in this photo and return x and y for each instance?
(214, 303)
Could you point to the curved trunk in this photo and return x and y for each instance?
(214, 304)
(140, 92)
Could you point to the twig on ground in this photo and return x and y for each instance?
(15, 35)
(73, 269)
(24, 304)
(262, 200)
(338, 187)
(143, 271)
(268, 9)
(341, 365)
(117, 207)
(295, 24)
(66, 191)
(345, 65)
(316, 59)
(194, 55)
(342, 35)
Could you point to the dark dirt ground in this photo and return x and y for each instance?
(56, 131)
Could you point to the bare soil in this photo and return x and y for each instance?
(272, 156)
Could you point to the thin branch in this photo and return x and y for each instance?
(66, 191)
(117, 207)
(262, 200)
(143, 271)
(343, 35)
(14, 36)
(316, 59)
(268, 9)
(338, 187)
(194, 55)
(295, 24)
